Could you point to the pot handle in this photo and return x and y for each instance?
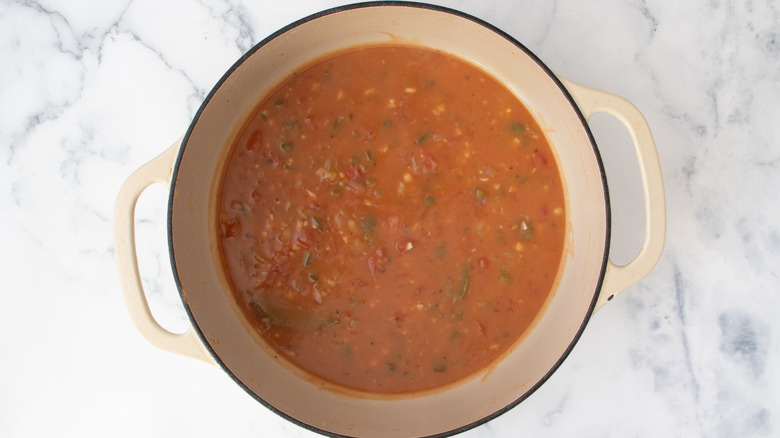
(618, 278)
(158, 170)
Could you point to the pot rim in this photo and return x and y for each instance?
(418, 5)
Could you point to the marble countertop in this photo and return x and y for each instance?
(89, 91)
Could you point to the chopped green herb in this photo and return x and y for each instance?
(423, 138)
(287, 146)
(307, 259)
(526, 229)
(390, 366)
(313, 277)
(279, 102)
(387, 123)
(479, 193)
(317, 223)
(439, 368)
(369, 157)
(276, 316)
(258, 308)
(504, 276)
(441, 251)
(449, 287)
(429, 200)
(519, 128)
(465, 285)
(368, 223)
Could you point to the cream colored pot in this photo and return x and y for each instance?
(219, 334)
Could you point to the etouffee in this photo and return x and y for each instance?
(391, 219)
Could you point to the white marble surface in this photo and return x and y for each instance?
(89, 91)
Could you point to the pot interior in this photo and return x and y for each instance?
(205, 288)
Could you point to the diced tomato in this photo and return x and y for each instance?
(399, 318)
(355, 174)
(255, 140)
(377, 263)
(404, 245)
(543, 213)
(304, 238)
(539, 160)
(231, 226)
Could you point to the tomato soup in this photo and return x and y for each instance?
(391, 219)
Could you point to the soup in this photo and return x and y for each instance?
(391, 219)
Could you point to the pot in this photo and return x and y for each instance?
(220, 335)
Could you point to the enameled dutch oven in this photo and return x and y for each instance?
(219, 334)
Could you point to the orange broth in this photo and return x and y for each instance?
(391, 219)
